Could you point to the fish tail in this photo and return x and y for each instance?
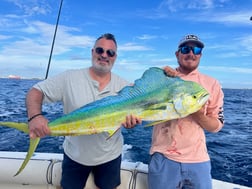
(33, 145)
(20, 126)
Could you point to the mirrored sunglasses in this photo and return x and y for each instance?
(187, 49)
(100, 50)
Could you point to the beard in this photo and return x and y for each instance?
(188, 64)
(102, 68)
(188, 68)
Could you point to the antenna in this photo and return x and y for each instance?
(55, 32)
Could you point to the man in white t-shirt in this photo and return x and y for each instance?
(75, 88)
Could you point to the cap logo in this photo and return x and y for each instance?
(191, 37)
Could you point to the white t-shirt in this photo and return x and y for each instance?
(75, 88)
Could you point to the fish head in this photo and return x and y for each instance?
(190, 98)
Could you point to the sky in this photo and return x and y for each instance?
(147, 33)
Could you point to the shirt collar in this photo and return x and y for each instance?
(194, 72)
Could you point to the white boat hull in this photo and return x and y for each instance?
(44, 172)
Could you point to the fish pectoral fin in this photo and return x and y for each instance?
(152, 123)
(112, 132)
(33, 145)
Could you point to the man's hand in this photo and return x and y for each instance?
(131, 121)
(211, 124)
(170, 71)
(201, 112)
(38, 127)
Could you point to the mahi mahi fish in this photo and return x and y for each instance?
(154, 98)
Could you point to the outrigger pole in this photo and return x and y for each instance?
(55, 32)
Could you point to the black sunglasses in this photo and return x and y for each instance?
(187, 49)
(100, 50)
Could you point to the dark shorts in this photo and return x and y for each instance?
(75, 175)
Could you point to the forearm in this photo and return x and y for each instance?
(37, 123)
(34, 100)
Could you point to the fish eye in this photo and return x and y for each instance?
(194, 96)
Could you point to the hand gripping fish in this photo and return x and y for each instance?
(155, 98)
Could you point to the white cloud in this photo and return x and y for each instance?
(174, 5)
(3, 37)
(238, 18)
(227, 69)
(32, 7)
(37, 37)
(133, 47)
(147, 37)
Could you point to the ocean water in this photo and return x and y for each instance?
(230, 149)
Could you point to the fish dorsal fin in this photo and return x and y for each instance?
(147, 82)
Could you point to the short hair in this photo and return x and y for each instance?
(107, 36)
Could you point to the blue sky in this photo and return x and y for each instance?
(147, 32)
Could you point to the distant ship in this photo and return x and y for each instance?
(14, 77)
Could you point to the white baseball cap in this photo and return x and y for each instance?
(191, 38)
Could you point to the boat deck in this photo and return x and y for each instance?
(44, 172)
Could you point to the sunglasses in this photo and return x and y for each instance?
(100, 50)
(187, 49)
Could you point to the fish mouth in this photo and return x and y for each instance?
(203, 98)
